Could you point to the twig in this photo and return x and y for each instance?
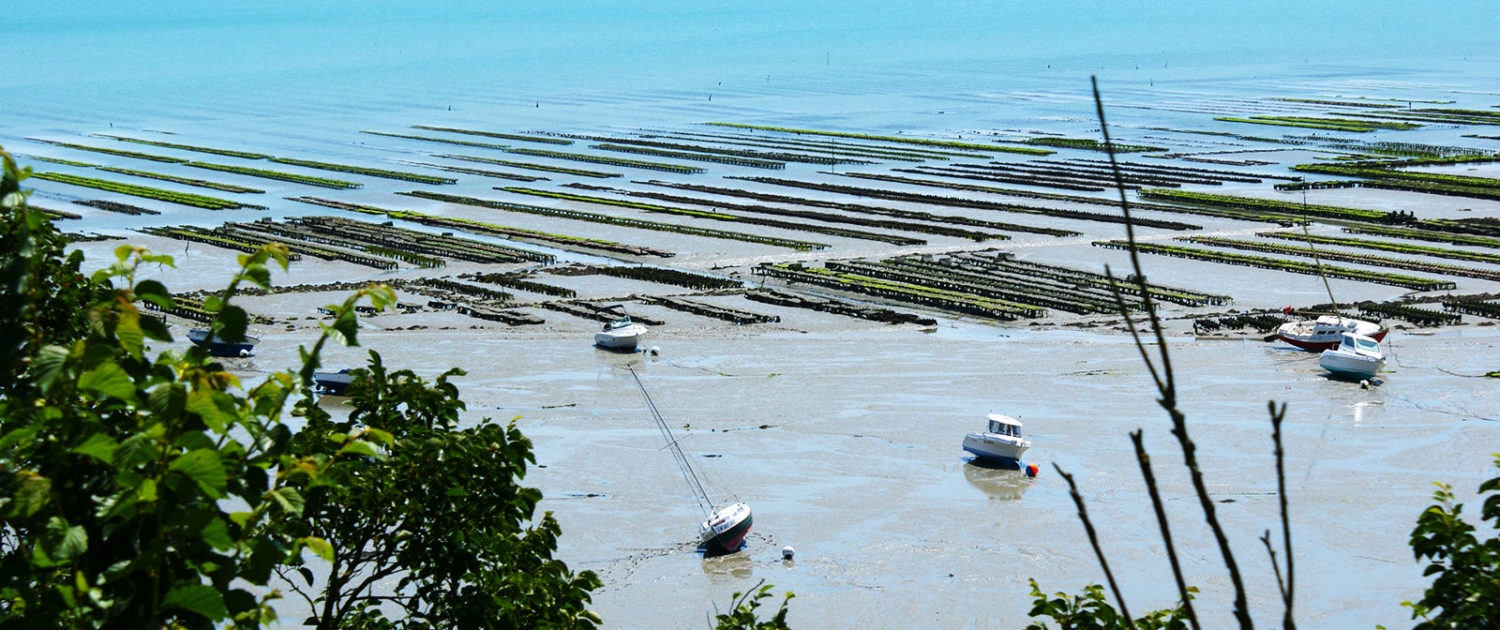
(1265, 539)
(1166, 530)
(1289, 590)
(1167, 387)
(1088, 527)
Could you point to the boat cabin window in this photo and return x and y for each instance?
(1368, 345)
(1001, 428)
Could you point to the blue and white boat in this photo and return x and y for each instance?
(1000, 443)
(332, 383)
(1357, 357)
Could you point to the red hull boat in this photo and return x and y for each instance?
(1325, 332)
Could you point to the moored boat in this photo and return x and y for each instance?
(1357, 356)
(620, 334)
(1001, 442)
(724, 529)
(332, 383)
(220, 348)
(1324, 333)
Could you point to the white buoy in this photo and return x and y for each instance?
(787, 552)
(1364, 384)
(654, 351)
(244, 353)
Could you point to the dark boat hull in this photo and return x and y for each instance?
(332, 383)
(219, 348)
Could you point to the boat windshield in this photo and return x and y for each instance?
(1368, 345)
(618, 323)
(1001, 428)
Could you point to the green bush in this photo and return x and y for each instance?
(153, 489)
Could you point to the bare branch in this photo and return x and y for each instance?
(1289, 591)
(1167, 387)
(1166, 530)
(1088, 526)
(1114, 290)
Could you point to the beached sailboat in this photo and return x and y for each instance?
(1325, 332)
(724, 528)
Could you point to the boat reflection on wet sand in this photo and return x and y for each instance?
(1002, 482)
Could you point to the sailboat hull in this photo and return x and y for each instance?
(725, 529)
(1325, 332)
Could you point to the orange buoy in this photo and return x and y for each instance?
(1031, 470)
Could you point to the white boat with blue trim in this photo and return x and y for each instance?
(1001, 442)
(1357, 357)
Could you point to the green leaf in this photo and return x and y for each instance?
(48, 365)
(259, 275)
(213, 303)
(201, 402)
(19, 436)
(109, 379)
(216, 534)
(319, 546)
(231, 324)
(289, 499)
(282, 256)
(136, 450)
(158, 259)
(347, 327)
(381, 297)
(155, 329)
(63, 542)
(193, 440)
(197, 598)
(154, 292)
(203, 466)
(168, 401)
(146, 491)
(34, 491)
(359, 447)
(128, 330)
(384, 437)
(99, 446)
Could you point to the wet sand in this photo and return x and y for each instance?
(844, 436)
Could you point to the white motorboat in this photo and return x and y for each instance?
(620, 334)
(724, 529)
(1357, 356)
(1001, 442)
(1324, 332)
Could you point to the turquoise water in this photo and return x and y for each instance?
(105, 61)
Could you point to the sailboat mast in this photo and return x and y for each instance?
(1308, 237)
(688, 473)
